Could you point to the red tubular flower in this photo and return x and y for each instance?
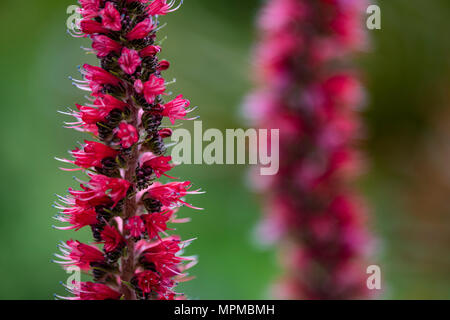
(112, 239)
(89, 8)
(153, 87)
(127, 134)
(97, 78)
(313, 100)
(93, 291)
(149, 51)
(176, 109)
(91, 155)
(92, 27)
(78, 217)
(171, 194)
(161, 7)
(129, 61)
(132, 256)
(103, 45)
(111, 17)
(156, 222)
(159, 165)
(79, 254)
(135, 226)
(141, 30)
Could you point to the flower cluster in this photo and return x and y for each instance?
(308, 92)
(127, 210)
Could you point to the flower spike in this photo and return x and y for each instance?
(306, 90)
(132, 254)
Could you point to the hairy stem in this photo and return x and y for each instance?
(128, 266)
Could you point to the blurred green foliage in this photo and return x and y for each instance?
(209, 44)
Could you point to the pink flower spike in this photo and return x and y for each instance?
(141, 30)
(307, 89)
(111, 17)
(126, 160)
(129, 61)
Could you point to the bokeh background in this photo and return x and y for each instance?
(209, 44)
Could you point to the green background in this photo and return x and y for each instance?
(209, 44)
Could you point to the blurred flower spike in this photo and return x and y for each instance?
(307, 90)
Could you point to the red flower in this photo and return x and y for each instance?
(103, 45)
(170, 194)
(165, 133)
(101, 189)
(148, 281)
(90, 27)
(160, 165)
(129, 61)
(176, 109)
(78, 217)
(135, 226)
(149, 51)
(161, 7)
(153, 87)
(141, 30)
(163, 65)
(79, 254)
(138, 86)
(112, 239)
(89, 116)
(127, 134)
(92, 155)
(89, 8)
(163, 256)
(98, 77)
(111, 17)
(93, 291)
(156, 222)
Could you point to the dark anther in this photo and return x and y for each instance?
(156, 145)
(144, 176)
(109, 168)
(99, 270)
(152, 205)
